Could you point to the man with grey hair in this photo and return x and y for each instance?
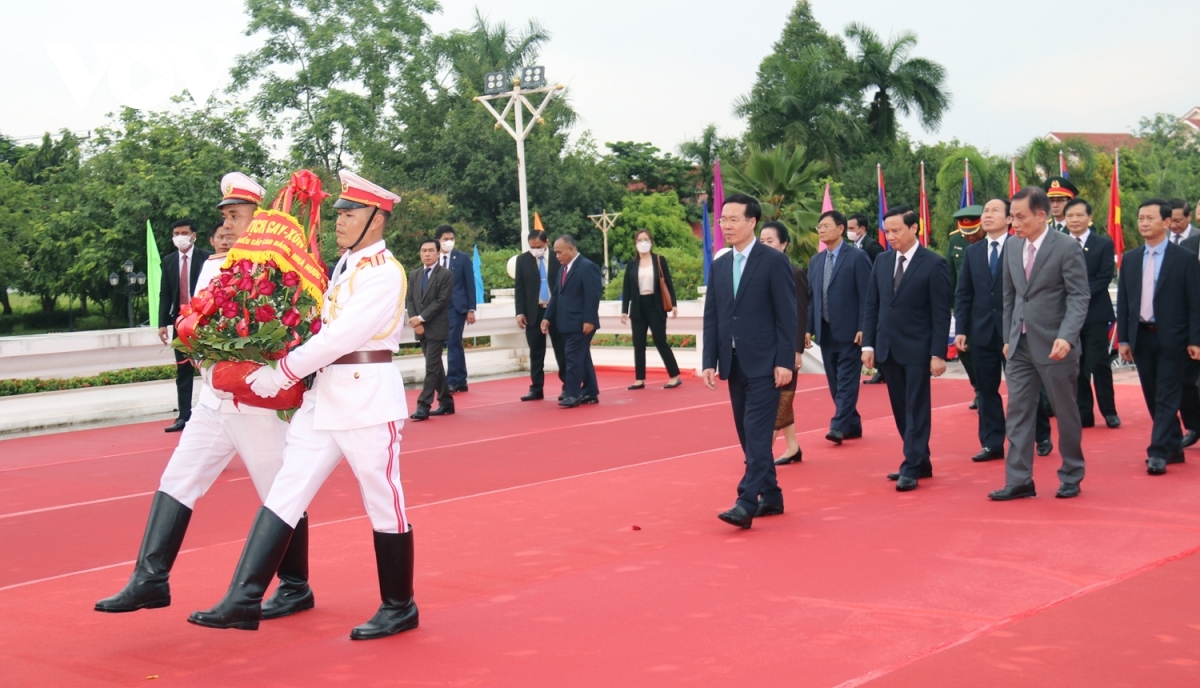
(574, 310)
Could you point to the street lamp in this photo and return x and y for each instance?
(133, 284)
(530, 80)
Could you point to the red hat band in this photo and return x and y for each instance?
(244, 195)
(367, 198)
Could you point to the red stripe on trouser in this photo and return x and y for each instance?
(392, 441)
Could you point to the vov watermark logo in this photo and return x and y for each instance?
(141, 75)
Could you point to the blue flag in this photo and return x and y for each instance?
(708, 241)
(478, 265)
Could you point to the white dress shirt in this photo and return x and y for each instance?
(908, 256)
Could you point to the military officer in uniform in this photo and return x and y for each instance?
(970, 230)
(217, 430)
(355, 409)
(1059, 190)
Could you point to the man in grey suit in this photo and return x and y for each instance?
(1046, 299)
(430, 288)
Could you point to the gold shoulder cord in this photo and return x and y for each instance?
(399, 304)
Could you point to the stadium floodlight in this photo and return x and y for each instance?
(495, 82)
(533, 77)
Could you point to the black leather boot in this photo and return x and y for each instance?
(242, 605)
(148, 587)
(398, 613)
(293, 594)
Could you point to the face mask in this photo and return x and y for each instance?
(537, 252)
(643, 247)
(182, 241)
(447, 246)
(852, 236)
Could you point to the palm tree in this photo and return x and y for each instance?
(703, 151)
(488, 47)
(900, 82)
(786, 185)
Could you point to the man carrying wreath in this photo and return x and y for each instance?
(355, 409)
(218, 429)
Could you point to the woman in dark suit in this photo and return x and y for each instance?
(775, 235)
(642, 301)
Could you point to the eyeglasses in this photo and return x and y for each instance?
(727, 221)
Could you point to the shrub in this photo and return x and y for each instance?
(113, 377)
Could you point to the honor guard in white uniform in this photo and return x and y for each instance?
(356, 408)
(217, 430)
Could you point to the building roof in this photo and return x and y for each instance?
(1107, 142)
(1192, 118)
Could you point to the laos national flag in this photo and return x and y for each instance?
(968, 192)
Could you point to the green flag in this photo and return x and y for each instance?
(153, 274)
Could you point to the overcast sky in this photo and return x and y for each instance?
(655, 71)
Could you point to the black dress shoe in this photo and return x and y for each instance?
(988, 454)
(793, 458)
(853, 434)
(421, 414)
(974, 404)
(906, 484)
(736, 516)
(637, 385)
(533, 396)
(835, 436)
(1010, 492)
(1067, 491)
(1087, 421)
(1190, 438)
(177, 426)
(876, 379)
(1175, 457)
(443, 410)
(1045, 447)
(589, 399)
(1112, 421)
(458, 388)
(673, 385)
(765, 509)
(922, 475)
(569, 402)
(1156, 465)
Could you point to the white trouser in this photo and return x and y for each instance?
(373, 453)
(209, 441)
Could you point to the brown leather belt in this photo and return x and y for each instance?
(380, 356)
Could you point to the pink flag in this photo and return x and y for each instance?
(718, 201)
(827, 204)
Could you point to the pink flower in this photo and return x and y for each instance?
(291, 279)
(291, 318)
(246, 266)
(315, 327)
(229, 310)
(245, 284)
(266, 287)
(264, 314)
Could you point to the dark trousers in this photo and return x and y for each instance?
(1095, 366)
(435, 376)
(989, 368)
(908, 390)
(1161, 373)
(537, 351)
(651, 316)
(755, 401)
(967, 358)
(185, 373)
(843, 370)
(1189, 403)
(456, 360)
(581, 374)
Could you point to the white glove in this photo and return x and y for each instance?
(267, 382)
(206, 375)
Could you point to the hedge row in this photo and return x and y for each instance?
(112, 377)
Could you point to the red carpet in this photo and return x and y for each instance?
(580, 548)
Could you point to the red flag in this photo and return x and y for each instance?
(1013, 185)
(882, 207)
(1115, 232)
(923, 212)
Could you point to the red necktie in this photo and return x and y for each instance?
(563, 281)
(183, 280)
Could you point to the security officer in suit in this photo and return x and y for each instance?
(969, 231)
(536, 275)
(462, 305)
(1093, 338)
(858, 233)
(180, 273)
(1189, 404)
(428, 309)
(575, 310)
(355, 409)
(1059, 190)
(218, 429)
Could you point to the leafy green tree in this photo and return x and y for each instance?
(639, 167)
(785, 182)
(989, 179)
(901, 83)
(659, 213)
(19, 211)
(704, 151)
(48, 245)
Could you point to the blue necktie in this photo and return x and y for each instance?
(994, 259)
(544, 292)
(738, 259)
(425, 280)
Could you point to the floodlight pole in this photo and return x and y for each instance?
(604, 222)
(518, 97)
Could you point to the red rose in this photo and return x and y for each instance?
(243, 328)
(245, 284)
(229, 310)
(291, 279)
(227, 278)
(315, 327)
(246, 266)
(220, 298)
(264, 314)
(266, 287)
(272, 264)
(291, 318)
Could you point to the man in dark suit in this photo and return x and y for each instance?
(839, 276)
(1093, 338)
(180, 270)
(1189, 404)
(1158, 327)
(462, 306)
(858, 233)
(750, 329)
(906, 324)
(535, 278)
(575, 310)
(428, 304)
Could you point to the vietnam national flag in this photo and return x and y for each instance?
(1115, 232)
